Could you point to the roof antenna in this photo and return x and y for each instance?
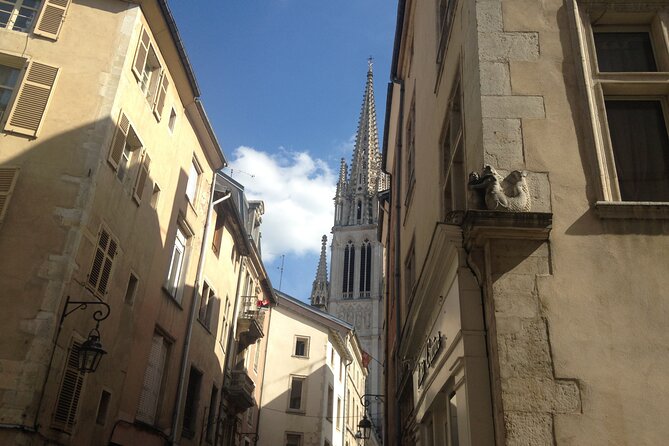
(280, 268)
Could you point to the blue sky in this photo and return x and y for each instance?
(282, 82)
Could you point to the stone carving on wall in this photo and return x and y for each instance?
(355, 314)
(497, 193)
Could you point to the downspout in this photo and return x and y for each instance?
(193, 310)
(396, 269)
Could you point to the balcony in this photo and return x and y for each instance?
(240, 392)
(250, 323)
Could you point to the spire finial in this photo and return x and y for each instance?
(370, 64)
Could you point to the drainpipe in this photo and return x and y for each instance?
(396, 269)
(193, 310)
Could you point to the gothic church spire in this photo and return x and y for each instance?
(321, 287)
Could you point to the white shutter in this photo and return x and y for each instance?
(8, 177)
(141, 178)
(51, 18)
(141, 54)
(118, 143)
(153, 376)
(32, 99)
(162, 92)
(65, 413)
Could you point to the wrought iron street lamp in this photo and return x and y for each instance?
(364, 428)
(91, 351)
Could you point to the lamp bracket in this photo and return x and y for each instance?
(98, 315)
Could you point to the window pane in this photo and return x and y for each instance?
(624, 51)
(191, 186)
(641, 149)
(296, 394)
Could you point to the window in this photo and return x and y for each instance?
(175, 272)
(172, 120)
(332, 355)
(452, 176)
(192, 402)
(18, 15)
(218, 234)
(409, 273)
(209, 308)
(330, 403)
(103, 408)
(25, 114)
(293, 439)
(152, 79)
(341, 369)
(349, 264)
(8, 178)
(211, 419)
(411, 152)
(256, 358)
(155, 194)
(628, 106)
(69, 392)
(9, 76)
(338, 424)
(445, 13)
(365, 269)
(224, 330)
(193, 179)
(296, 393)
(126, 152)
(153, 380)
(301, 347)
(131, 289)
(103, 262)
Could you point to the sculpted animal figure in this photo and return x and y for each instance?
(502, 194)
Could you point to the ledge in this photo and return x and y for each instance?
(479, 226)
(650, 210)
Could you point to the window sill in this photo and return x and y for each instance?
(296, 411)
(299, 357)
(203, 325)
(634, 210)
(171, 297)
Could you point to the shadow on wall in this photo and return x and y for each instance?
(65, 194)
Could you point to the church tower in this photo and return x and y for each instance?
(356, 263)
(321, 287)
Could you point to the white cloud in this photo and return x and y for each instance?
(297, 190)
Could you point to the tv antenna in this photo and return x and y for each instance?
(280, 268)
(232, 172)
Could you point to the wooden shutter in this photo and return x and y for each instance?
(51, 18)
(70, 389)
(153, 376)
(118, 143)
(8, 178)
(103, 262)
(162, 92)
(141, 54)
(32, 99)
(141, 178)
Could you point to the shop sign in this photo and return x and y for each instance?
(432, 349)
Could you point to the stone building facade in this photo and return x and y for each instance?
(526, 225)
(108, 195)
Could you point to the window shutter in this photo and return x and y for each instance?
(141, 178)
(103, 262)
(118, 144)
(51, 18)
(32, 99)
(70, 389)
(141, 54)
(8, 177)
(162, 92)
(148, 399)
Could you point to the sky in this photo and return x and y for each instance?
(282, 82)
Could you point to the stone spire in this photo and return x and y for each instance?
(365, 165)
(321, 287)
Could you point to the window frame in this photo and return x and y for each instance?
(174, 282)
(17, 5)
(600, 86)
(195, 186)
(303, 392)
(307, 340)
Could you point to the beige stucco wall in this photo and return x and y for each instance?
(66, 190)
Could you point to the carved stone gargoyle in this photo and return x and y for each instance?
(501, 194)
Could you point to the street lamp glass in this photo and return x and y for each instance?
(365, 427)
(90, 354)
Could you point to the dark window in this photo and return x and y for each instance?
(192, 401)
(103, 407)
(624, 51)
(365, 268)
(302, 347)
(296, 385)
(640, 147)
(349, 264)
(329, 409)
(211, 419)
(131, 289)
(293, 439)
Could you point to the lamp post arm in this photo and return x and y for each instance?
(98, 315)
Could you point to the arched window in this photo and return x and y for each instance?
(365, 269)
(358, 212)
(349, 265)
